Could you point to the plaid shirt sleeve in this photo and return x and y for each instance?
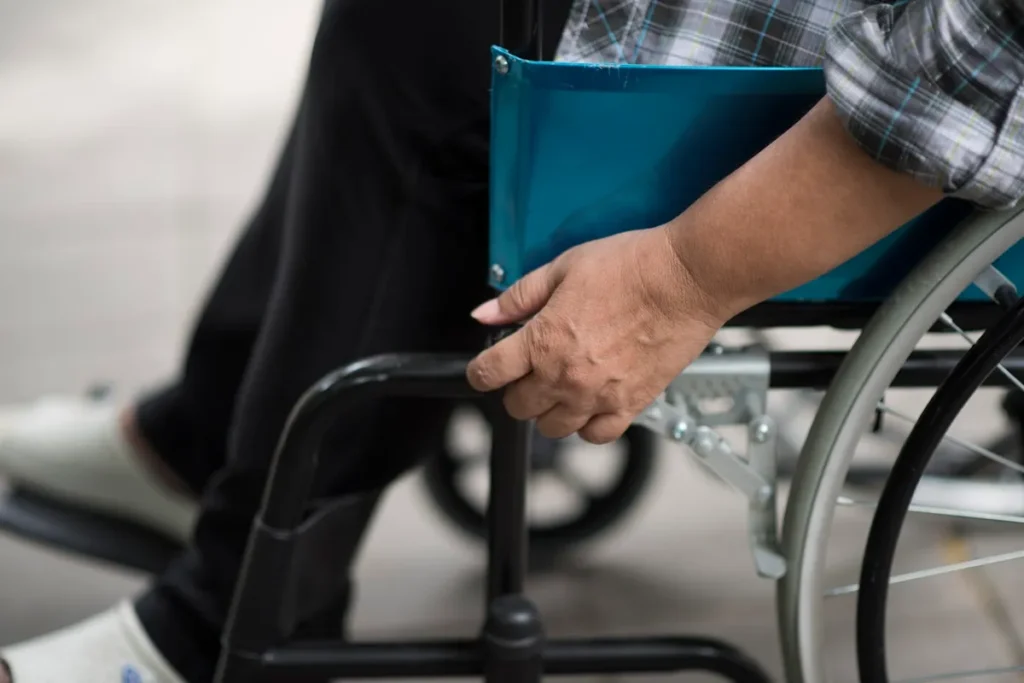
(933, 88)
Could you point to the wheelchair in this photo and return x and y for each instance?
(949, 273)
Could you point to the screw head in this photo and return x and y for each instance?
(497, 273)
(761, 432)
(763, 495)
(680, 430)
(501, 64)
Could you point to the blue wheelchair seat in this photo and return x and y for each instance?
(583, 151)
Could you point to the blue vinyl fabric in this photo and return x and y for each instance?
(582, 151)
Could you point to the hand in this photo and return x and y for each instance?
(614, 321)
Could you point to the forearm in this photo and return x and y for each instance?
(805, 204)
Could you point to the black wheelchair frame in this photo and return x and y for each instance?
(290, 551)
(291, 564)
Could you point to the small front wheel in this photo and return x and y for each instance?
(577, 491)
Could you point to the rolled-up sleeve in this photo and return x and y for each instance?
(933, 88)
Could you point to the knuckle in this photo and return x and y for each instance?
(604, 431)
(543, 335)
(479, 374)
(518, 295)
(576, 379)
(611, 397)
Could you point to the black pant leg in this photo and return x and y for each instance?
(384, 249)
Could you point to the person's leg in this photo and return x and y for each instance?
(385, 250)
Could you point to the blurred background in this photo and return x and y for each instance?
(135, 136)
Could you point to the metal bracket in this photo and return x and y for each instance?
(991, 281)
(741, 377)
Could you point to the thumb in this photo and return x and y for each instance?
(523, 299)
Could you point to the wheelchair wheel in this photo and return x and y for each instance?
(814, 620)
(578, 491)
(896, 500)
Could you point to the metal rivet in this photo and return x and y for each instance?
(497, 273)
(763, 495)
(761, 432)
(680, 430)
(501, 65)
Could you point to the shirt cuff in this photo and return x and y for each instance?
(909, 118)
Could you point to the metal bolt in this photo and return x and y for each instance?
(497, 273)
(501, 64)
(680, 430)
(705, 444)
(763, 496)
(717, 349)
(761, 432)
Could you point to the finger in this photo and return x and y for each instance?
(560, 422)
(529, 398)
(605, 428)
(524, 298)
(505, 362)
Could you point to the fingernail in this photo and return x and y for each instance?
(487, 311)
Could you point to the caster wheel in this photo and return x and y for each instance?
(577, 490)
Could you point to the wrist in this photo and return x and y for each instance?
(709, 267)
(805, 204)
(715, 304)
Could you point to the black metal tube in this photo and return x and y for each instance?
(313, 661)
(297, 454)
(650, 655)
(260, 615)
(513, 641)
(324, 661)
(923, 369)
(507, 542)
(521, 31)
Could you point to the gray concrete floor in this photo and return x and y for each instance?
(134, 137)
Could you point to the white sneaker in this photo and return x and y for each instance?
(109, 648)
(74, 451)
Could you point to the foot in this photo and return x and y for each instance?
(85, 453)
(109, 648)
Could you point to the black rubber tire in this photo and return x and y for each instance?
(965, 379)
(548, 542)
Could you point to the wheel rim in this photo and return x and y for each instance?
(895, 503)
(838, 426)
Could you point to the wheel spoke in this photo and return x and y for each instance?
(940, 511)
(977, 450)
(934, 571)
(972, 673)
(949, 322)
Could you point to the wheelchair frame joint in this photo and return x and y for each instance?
(513, 641)
(740, 378)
